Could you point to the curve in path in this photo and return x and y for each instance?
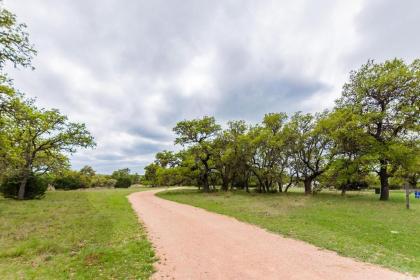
(192, 243)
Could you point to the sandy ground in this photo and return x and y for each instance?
(192, 243)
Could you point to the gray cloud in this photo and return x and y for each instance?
(130, 70)
(253, 99)
(387, 29)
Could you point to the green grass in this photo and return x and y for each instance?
(73, 235)
(357, 225)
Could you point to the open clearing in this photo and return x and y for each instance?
(195, 244)
(90, 234)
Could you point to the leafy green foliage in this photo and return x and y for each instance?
(198, 133)
(386, 97)
(14, 41)
(85, 178)
(71, 180)
(123, 182)
(124, 179)
(40, 137)
(36, 186)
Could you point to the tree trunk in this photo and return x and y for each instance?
(308, 186)
(344, 188)
(289, 185)
(260, 182)
(280, 185)
(206, 187)
(383, 176)
(225, 183)
(21, 193)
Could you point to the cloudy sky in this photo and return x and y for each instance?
(131, 69)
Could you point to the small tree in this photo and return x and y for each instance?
(39, 139)
(88, 171)
(150, 174)
(123, 178)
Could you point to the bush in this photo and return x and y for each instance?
(101, 181)
(71, 180)
(123, 182)
(354, 186)
(123, 177)
(36, 187)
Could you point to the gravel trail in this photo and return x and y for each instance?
(192, 243)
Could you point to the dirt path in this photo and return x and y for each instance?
(195, 244)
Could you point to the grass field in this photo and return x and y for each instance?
(90, 234)
(357, 225)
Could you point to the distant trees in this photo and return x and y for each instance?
(124, 178)
(373, 128)
(87, 177)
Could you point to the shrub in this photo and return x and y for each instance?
(123, 177)
(36, 187)
(354, 186)
(102, 181)
(123, 182)
(70, 180)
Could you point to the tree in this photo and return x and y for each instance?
(240, 172)
(268, 160)
(310, 148)
(16, 49)
(40, 137)
(71, 180)
(197, 134)
(350, 167)
(386, 96)
(88, 171)
(123, 177)
(150, 174)
(224, 158)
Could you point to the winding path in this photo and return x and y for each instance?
(192, 243)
